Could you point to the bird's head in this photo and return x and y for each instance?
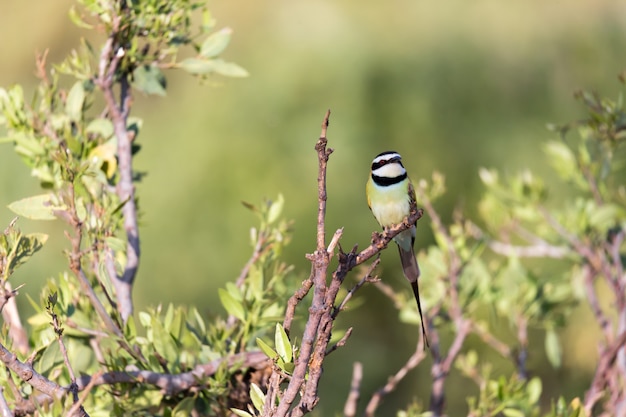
(388, 165)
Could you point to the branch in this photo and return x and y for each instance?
(27, 374)
(349, 410)
(110, 57)
(318, 328)
(441, 368)
(172, 384)
(5, 411)
(11, 317)
(415, 359)
(607, 359)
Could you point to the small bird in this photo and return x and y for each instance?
(391, 196)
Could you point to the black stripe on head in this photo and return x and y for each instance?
(386, 181)
(380, 160)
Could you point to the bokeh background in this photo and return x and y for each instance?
(452, 85)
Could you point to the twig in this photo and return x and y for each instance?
(441, 368)
(5, 411)
(320, 266)
(110, 57)
(543, 250)
(77, 407)
(58, 330)
(391, 385)
(11, 316)
(319, 325)
(607, 358)
(341, 342)
(367, 278)
(171, 384)
(27, 374)
(502, 348)
(349, 410)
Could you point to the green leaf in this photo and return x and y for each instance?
(101, 127)
(533, 390)
(75, 101)
(276, 209)
(215, 43)
(37, 207)
(197, 66)
(241, 413)
(232, 306)
(229, 69)
(257, 396)
(271, 353)
(553, 348)
(77, 20)
(511, 412)
(603, 217)
(25, 248)
(149, 79)
(283, 345)
(562, 158)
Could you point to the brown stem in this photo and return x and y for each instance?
(415, 359)
(349, 410)
(118, 111)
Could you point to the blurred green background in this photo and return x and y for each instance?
(452, 85)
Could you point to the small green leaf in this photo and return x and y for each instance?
(197, 66)
(276, 209)
(562, 158)
(553, 348)
(257, 396)
(283, 345)
(25, 248)
(75, 101)
(232, 306)
(101, 127)
(533, 389)
(37, 207)
(77, 20)
(229, 69)
(271, 353)
(511, 412)
(241, 413)
(215, 43)
(149, 79)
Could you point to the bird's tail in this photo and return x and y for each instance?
(412, 272)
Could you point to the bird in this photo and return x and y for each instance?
(390, 197)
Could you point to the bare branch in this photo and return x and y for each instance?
(532, 251)
(415, 359)
(341, 342)
(441, 368)
(118, 111)
(11, 317)
(171, 384)
(5, 411)
(27, 374)
(349, 410)
(607, 359)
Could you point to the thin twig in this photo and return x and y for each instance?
(11, 316)
(607, 358)
(414, 360)
(341, 342)
(5, 411)
(366, 278)
(349, 410)
(77, 407)
(27, 374)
